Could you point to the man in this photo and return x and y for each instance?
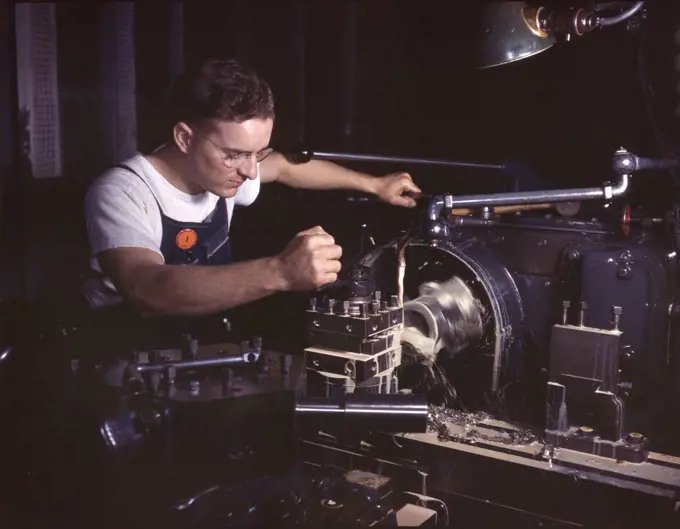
(152, 215)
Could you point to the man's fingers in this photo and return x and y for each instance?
(316, 230)
(406, 202)
(329, 278)
(317, 240)
(332, 267)
(331, 251)
(410, 187)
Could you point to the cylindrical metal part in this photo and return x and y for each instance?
(447, 314)
(247, 358)
(363, 413)
(607, 191)
(565, 312)
(582, 313)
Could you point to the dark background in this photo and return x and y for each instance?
(370, 77)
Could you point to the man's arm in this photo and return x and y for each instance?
(123, 241)
(315, 174)
(322, 175)
(151, 287)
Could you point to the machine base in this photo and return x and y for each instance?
(493, 471)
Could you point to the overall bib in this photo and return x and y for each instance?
(183, 244)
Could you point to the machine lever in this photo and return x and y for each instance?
(249, 357)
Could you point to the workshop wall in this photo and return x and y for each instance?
(373, 77)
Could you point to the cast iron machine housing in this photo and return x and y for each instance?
(579, 339)
(584, 304)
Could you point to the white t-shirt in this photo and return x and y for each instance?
(121, 211)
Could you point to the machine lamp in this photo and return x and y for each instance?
(512, 31)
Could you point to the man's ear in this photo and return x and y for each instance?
(181, 134)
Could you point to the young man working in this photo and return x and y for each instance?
(158, 224)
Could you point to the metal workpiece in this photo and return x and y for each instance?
(363, 413)
(446, 313)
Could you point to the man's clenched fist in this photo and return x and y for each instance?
(310, 260)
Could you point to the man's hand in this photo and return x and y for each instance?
(310, 260)
(395, 189)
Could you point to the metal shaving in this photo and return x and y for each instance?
(440, 418)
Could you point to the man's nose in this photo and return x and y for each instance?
(249, 168)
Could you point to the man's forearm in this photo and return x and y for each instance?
(196, 290)
(322, 175)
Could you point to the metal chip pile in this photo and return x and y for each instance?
(439, 418)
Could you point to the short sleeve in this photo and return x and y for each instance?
(117, 218)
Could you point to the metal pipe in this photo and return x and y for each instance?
(363, 413)
(606, 192)
(610, 21)
(347, 157)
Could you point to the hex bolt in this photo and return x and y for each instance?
(616, 313)
(345, 308)
(377, 295)
(195, 386)
(375, 306)
(583, 306)
(394, 301)
(362, 310)
(312, 304)
(565, 311)
(227, 324)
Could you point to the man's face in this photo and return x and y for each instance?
(222, 154)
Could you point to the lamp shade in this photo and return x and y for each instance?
(510, 32)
